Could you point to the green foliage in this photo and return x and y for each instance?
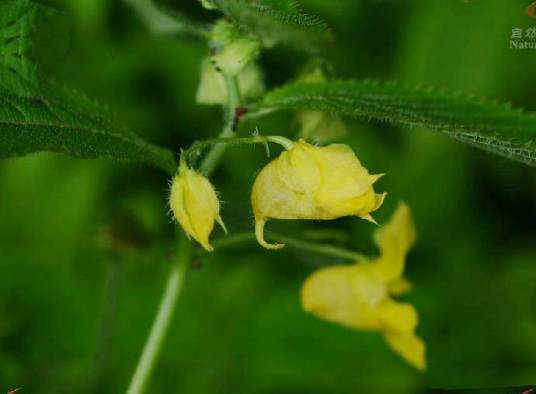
(53, 119)
(475, 214)
(495, 127)
(276, 21)
(68, 122)
(18, 19)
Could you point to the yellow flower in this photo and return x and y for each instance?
(212, 90)
(310, 182)
(195, 205)
(359, 296)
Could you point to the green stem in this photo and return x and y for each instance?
(162, 321)
(326, 249)
(214, 156)
(195, 149)
(320, 248)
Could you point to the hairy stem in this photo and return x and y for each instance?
(198, 146)
(161, 324)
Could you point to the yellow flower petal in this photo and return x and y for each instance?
(395, 239)
(397, 316)
(347, 295)
(297, 169)
(400, 286)
(259, 234)
(410, 347)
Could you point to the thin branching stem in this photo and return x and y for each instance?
(295, 243)
(214, 156)
(163, 319)
(159, 329)
(198, 146)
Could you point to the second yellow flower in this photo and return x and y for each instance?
(311, 182)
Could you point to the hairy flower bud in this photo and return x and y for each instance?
(359, 296)
(310, 182)
(195, 205)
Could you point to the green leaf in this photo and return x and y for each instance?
(494, 127)
(67, 122)
(18, 19)
(34, 119)
(276, 21)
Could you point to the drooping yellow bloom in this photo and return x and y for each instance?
(195, 205)
(310, 182)
(359, 296)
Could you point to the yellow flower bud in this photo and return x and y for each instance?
(310, 182)
(195, 205)
(359, 296)
(212, 90)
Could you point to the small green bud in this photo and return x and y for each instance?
(223, 33)
(314, 76)
(234, 57)
(212, 90)
(233, 50)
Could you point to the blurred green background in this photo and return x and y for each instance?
(84, 245)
